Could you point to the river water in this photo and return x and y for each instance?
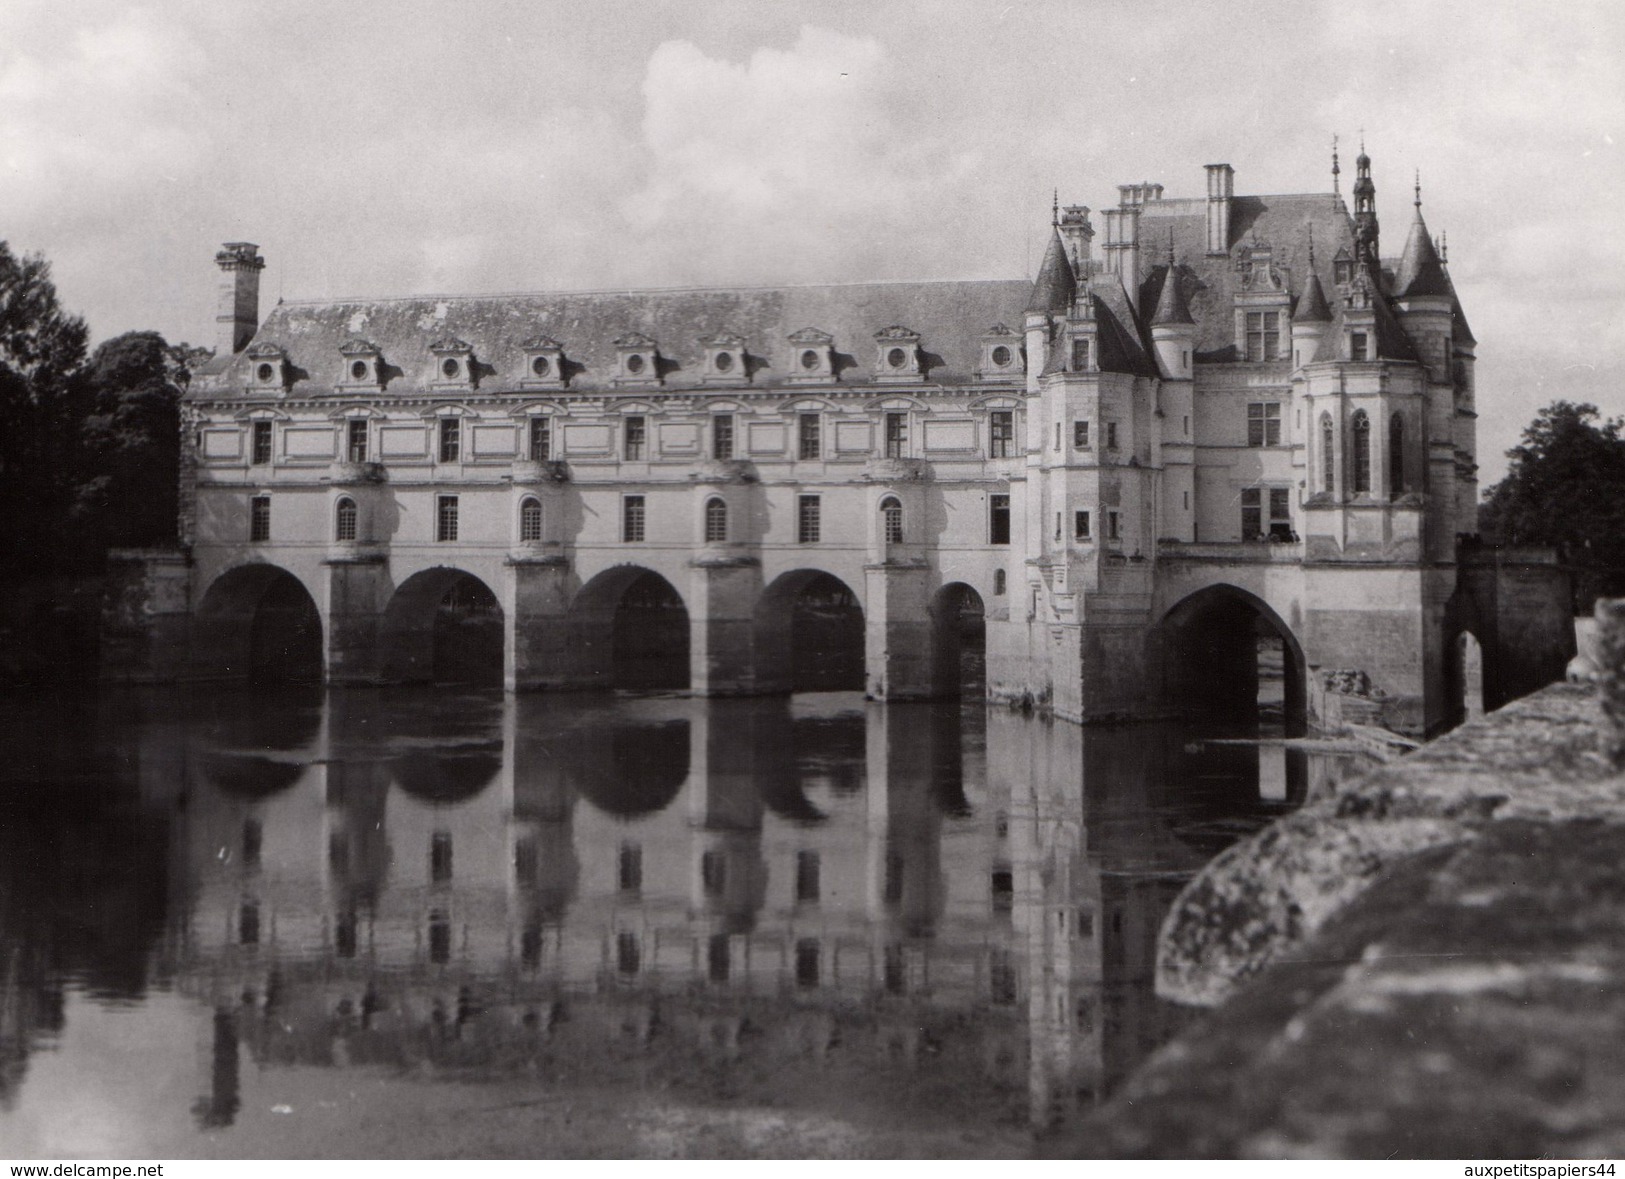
(427, 922)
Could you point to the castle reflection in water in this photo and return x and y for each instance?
(795, 893)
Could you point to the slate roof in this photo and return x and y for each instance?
(1420, 271)
(1124, 342)
(1056, 286)
(1283, 222)
(951, 318)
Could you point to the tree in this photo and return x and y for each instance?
(1566, 487)
(125, 490)
(41, 350)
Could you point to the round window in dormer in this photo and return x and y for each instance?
(541, 366)
(358, 371)
(1001, 356)
(896, 358)
(265, 372)
(809, 360)
(634, 364)
(449, 367)
(724, 361)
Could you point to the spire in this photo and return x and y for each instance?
(1337, 194)
(1421, 271)
(1418, 201)
(1365, 212)
(1171, 305)
(1055, 208)
(1312, 307)
(1055, 287)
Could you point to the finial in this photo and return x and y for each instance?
(1362, 141)
(1170, 247)
(1418, 201)
(1055, 210)
(1311, 249)
(1444, 247)
(1336, 171)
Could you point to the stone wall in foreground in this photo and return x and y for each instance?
(1427, 962)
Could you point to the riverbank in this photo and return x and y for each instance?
(1428, 961)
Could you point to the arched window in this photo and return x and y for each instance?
(1361, 427)
(1396, 455)
(716, 521)
(344, 519)
(1328, 453)
(891, 518)
(530, 519)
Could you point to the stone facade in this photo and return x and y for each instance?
(1238, 414)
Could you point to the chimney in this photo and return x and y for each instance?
(1221, 186)
(238, 307)
(1078, 234)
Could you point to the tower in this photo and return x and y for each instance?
(1365, 214)
(238, 305)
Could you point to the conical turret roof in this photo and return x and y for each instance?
(1312, 307)
(1056, 286)
(1420, 271)
(1171, 305)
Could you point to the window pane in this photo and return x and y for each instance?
(262, 443)
(451, 440)
(896, 435)
(634, 438)
(1001, 433)
(541, 439)
(808, 525)
(358, 442)
(345, 525)
(1080, 525)
(811, 436)
(446, 519)
(530, 520)
(807, 876)
(1080, 435)
(722, 437)
(632, 521)
(998, 524)
(259, 518)
(716, 521)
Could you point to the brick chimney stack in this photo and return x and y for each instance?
(1221, 189)
(238, 314)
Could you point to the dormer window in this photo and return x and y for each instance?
(1080, 354)
(724, 359)
(812, 354)
(268, 366)
(1001, 354)
(1343, 265)
(544, 363)
(1359, 346)
(637, 360)
(1263, 335)
(363, 365)
(897, 354)
(454, 362)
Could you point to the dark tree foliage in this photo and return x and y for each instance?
(125, 493)
(89, 451)
(1566, 487)
(41, 351)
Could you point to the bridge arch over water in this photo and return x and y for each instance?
(629, 628)
(442, 624)
(809, 634)
(1208, 650)
(258, 622)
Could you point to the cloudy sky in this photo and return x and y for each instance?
(414, 147)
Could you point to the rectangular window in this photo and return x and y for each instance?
(628, 954)
(262, 443)
(357, 443)
(445, 523)
(998, 519)
(526, 861)
(629, 870)
(808, 522)
(1252, 513)
(722, 436)
(1080, 356)
(259, 518)
(1080, 435)
(894, 972)
(808, 885)
(1280, 513)
(713, 873)
(1113, 526)
(344, 934)
(1057, 527)
(636, 429)
(807, 962)
(439, 937)
(1263, 335)
(1358, 346)
(1002, 890)
(248, 924)
(541, 440)
(440, 857)
(1263, 423)
(810, 435)
(716, 958)
(451, 440)
(896, 435)
(632, 519)
(1057, 435)
(1001, 433)
(1080, 526)
(1111, 435)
